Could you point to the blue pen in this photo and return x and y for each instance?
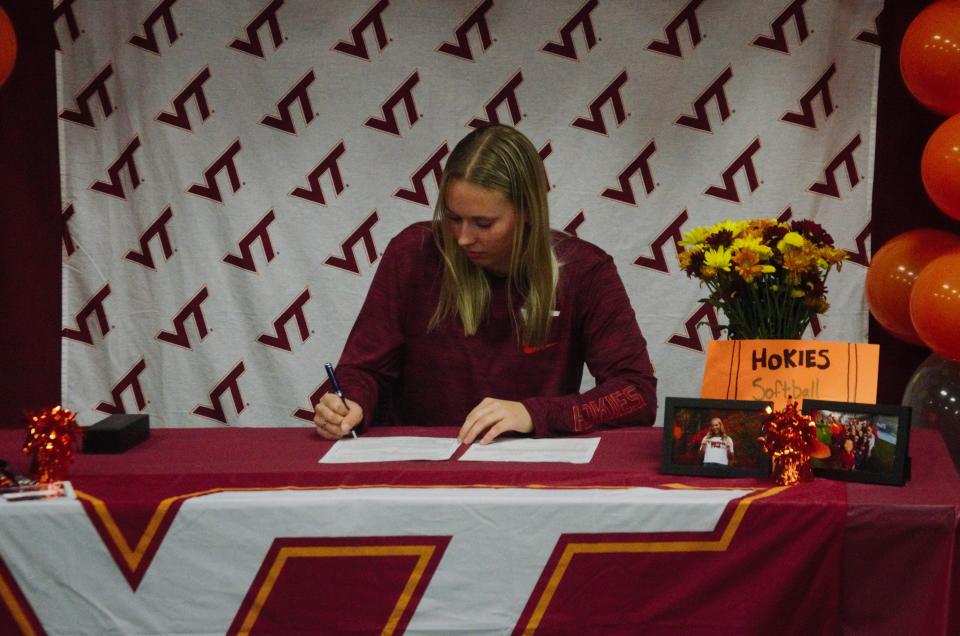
(336, 389)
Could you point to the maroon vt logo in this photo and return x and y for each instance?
(65, 10)
(610, 94)
(193, 90)
(356, 46)
(93, 307)
(193, 309)
(691, 338)
(728, 192)
(148, 41)
(252, 44)
(363, 234)
(97, 86)
(822, 88)
(228, 383)
(828, 187)
(574, 224)
(157, 229)
(114, 187)
(778, 40)
(476, 19)
(433, 165)
(870, 37)
(701, 121)
(65, 236)
(658, 262)
(815, 325)
(543, 153)
(403, 94)
(507, 95)
(565, 47)
(130, 380)
(688, 16)
(279, 338)
(307, 414)
(297, 94)
(210, 189)
(327, 165)
(258, 233)
(862, 255)
(640, 164)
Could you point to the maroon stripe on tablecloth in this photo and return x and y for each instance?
(16, 614)
(690, 582)
(339, 585)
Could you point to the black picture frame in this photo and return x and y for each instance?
(884, 460)
(686, 424)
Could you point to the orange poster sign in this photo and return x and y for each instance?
(779, 370)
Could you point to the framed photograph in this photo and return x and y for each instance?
(867, 442)
(716, 438)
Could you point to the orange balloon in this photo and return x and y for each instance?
(930, 57)
(8, 46)
(893, 272)
(940, 166)
(935, 305)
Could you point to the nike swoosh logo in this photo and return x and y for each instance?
(528, 349)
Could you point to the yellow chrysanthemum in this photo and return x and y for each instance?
(718, 258)
(791, 240)
(832, 256)
(759, 225)
(734, 227)
(695, 236)
(752, 244)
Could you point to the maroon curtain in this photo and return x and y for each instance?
(29, 218)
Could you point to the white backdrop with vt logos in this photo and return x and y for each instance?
(232, 171)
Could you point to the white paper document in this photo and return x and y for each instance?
(571, 451)
(390, 449)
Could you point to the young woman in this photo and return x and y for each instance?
(716, 446)
(485, 317)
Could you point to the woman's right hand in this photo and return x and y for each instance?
(333, 420)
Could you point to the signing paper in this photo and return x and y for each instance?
(571, 451)
(390, 449)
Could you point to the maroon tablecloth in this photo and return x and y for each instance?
(898, 558)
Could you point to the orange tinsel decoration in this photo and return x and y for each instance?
(789, 438)
(52, 436)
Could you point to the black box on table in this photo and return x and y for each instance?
(116, 433)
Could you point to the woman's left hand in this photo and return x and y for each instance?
(494, 417)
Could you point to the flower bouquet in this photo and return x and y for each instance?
(767, 277)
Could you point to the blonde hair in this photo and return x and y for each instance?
(500, 158)
(723, 429)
